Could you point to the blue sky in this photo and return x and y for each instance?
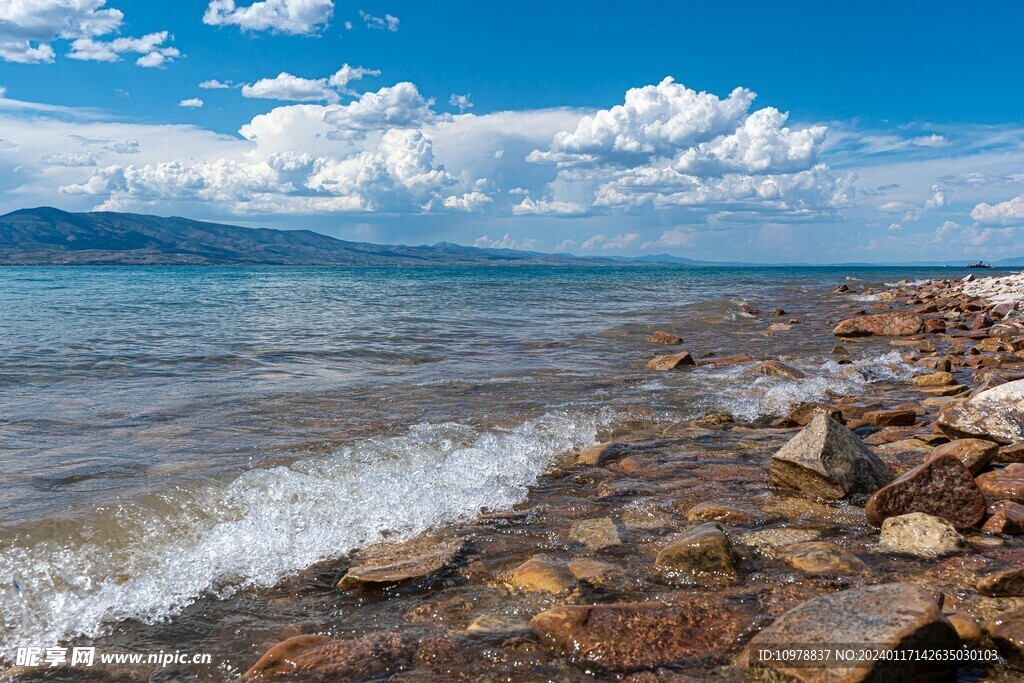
(877, 132)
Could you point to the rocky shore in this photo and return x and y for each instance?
(685, 551)
(879, 522)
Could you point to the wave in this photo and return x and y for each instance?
(147, 560)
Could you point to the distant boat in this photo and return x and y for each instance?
(979, 264)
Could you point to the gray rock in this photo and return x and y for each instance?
(996, 414)
(919, 534)
(827, 460)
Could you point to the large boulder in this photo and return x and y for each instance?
(996, 414)
(634, 636)
(893, 618)
(881, 325)
(827, 460)
(942, 487)
(371, 656)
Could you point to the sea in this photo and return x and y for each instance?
(175, 440)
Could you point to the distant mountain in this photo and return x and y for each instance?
(48, 236)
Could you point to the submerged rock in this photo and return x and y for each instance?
(671, 362)
(541, 574)
(942, 487)
(821, 557)
(369, 656)
(895, 617)
(391, 563)
(595, 533)
(660, 337)
(778, 369)
(975, 454)
(711, 511)
(917, 533)
(996, 414)
(628, 637)
(827, 460)
(703, 554)
(882, 325)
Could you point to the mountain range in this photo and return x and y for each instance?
(49, 236)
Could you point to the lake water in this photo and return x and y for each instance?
(177, 434)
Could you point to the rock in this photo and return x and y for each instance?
(780, 327)
(728, 360)
(595, 572)
(750, 310)
(821, 557)
(541, 574)
(935, 363)
(778, 311)
(703, 554)
(805, 412)
(660, 337)
(1007, 518)
(893, 617)
(390, 563)
(919, 534)
(671, 362)
(710, 511)
(841, 289)
(934, 325)
(644, 635)
(975, 454)
(891, 418)
(778, 368)
(839, 350)
(925, 346)
(827, 460)
(1010, 454)
(936, 379)
(498, 625)
(362, 658)
(880, 325)
(1005, 483)
(1007, 630)
(1002, 583)
(950, 390)
(942, 487)
(600, 453)
(768, 541)
(966, 627)
(596, 534)
(996, 414)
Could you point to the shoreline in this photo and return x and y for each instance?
(624, 524)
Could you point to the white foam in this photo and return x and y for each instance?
(269, 523)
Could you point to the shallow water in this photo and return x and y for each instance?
(180, 434)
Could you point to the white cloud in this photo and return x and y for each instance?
(565, 245)
(214, 84)
(296, 17)
(388, 21)
(400, 106)
(506, 242)
(28, 26)
(468, 202)
(150, 46)
(70, 159)
(1010, 212)
(191, 103)
(933, 140)
(291, 88)
(545, 207)
(463, 102)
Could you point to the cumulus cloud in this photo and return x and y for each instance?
(70, 159)
(506, 242)
(295, 17)
(191, 103)
(1010, 212)
(28, 27)
(468, 202)
(609, 243)
(565, 245)
(291, 88)
(150, 46)
(399, 106)
(214, 84)
(463, 102)
(387, 22)
(546, 207)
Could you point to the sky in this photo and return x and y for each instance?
(764, 132)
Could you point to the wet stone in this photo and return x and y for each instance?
(541, 574)
(942, 487)
(1007, 518)
(370, 656)
(919, 534)
(595, 572)
(1005, 483)
(1008, 582)
(703, 555)
(891, 418)
(821, 557)
(595, 533)
(498, 625)
(391, 563)
(996, 414)
(1007, 630)
(671, 362)
(774, 368)
(882, 324)
(660, 337)
(975, 454)
(711, 511)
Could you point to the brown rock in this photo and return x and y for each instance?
(975, 454)
(390, 563)
(891, 418)
(541, 574)
(710, 511)
(827, 460)
(1007, 518)
(934, 325)
(595, 572)
(632, 636)
(936, 379)
(600, 453)
(596, 534)
(1005, 483)
(805, 412)
(703, 554)
(370, 656)
(821, 557)
(1007, 630)
(883, 325)
(942, 487)
(750, 310)
(1010, 454)
(671, 362)
(778, 368)
(966, 627)
(660, 337)
(895, 617)
(1002, 583)
(996, 414)
(839, 350)
(727, 360)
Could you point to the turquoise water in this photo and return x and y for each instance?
(169, 433)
